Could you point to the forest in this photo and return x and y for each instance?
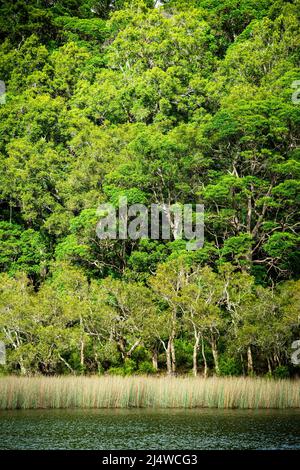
(161, 102)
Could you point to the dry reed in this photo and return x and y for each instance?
(147, 392)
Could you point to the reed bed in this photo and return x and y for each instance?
(147, 392)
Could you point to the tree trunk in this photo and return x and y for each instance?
(154, 359)
(277, 359)
(82, 354)
(249, 360)
(269, 365)
(169, 360)
(205, 372)
(243, 366)
(81, 344)
(98, 364)
(66, 364)
(122, 347)
(173, 356)
(22, 368)
(215, 355)
(195, 354)
(128, 354)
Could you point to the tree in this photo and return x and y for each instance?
(168, 283)
(128, 306)
(165, 102)
(201, 300)
(16, 321)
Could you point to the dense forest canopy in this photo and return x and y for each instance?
(179, 101)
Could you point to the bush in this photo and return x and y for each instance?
(140, 354)
(3, 371)
(184, 354)
(230, 366)
(116, 371)
(128, 368)
(146, 367)
(281, 372)
(268, 375)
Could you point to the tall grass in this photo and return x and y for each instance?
(143, 392)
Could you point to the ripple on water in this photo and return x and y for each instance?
(150, 429)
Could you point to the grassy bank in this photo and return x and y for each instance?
(117, 392)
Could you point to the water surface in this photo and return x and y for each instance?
(149, 429)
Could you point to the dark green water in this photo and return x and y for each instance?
(146, 429)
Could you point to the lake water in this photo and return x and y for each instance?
(149, 429)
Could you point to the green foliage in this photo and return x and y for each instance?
(229, 366)
(281, 372)
(146, 368)
(184, 351)
(129, 368)
(178, 102)
(22, 250)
